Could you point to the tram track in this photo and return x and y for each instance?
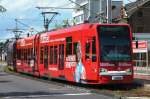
(66, 84)
(119, 91)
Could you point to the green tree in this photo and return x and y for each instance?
(2, 9)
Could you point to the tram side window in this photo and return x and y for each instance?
(29, 53)
(93, 49)
(87, 51)
(68, 46)
(32, 52)
(41, 55)
(55, 54)
(46, 57)
(16, 54)
(51, 55)
(46, 53)
(35, 53)
(24, 54)
(28, 56)
(75, 49)
(19, 54)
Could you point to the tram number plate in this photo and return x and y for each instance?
(117, 77)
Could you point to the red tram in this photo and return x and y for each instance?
(86, 53)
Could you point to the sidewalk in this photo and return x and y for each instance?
(142, 76)
(142, 73)
(142, 79)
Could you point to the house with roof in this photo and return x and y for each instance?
(138, 13)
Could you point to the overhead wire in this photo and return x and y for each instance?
(130, 1)
(27, 25)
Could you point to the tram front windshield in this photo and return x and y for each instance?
(114, 43)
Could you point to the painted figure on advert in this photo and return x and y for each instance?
(80, 70)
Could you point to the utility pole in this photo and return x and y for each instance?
(17, 32)
(47, 21)
(45, 15)
(109, 11)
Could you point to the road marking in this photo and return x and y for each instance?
(36, 96)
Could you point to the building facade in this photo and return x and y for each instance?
(138, 17)
(97, 11)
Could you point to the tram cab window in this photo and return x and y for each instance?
(93, 49)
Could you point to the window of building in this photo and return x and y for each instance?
(139, 29)
(140, 13)
(113, 7)
(79, 19)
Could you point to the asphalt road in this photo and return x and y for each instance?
(16, 87)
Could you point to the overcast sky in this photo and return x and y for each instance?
(28, 13)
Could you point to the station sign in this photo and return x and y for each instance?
(140, 46)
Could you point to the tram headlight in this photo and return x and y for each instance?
(103, 70)
(129, 71)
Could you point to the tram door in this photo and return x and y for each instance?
(91, 58)
(46, 57)
(61, 60)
